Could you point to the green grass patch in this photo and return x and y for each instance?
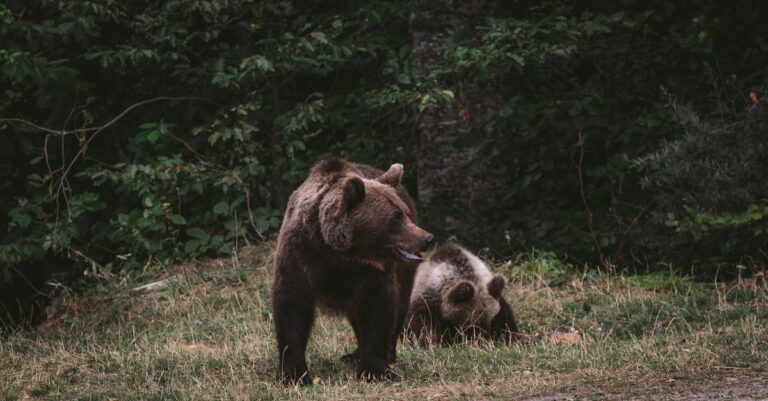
(208, 335)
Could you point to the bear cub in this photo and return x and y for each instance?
(348, 242)
(455, 298)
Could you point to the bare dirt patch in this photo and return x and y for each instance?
(737, 387)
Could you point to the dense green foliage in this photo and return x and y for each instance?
(179, 128)
(620, 121)
(254, 93)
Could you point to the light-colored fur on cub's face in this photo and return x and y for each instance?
(466, 290)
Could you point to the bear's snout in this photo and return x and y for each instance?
(420, 237)
(412, 240)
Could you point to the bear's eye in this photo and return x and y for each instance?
(398, 216)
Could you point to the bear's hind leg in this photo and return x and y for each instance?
(354, 356)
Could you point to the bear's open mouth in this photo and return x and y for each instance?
(407, 254)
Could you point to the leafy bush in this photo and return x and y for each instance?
(709, 187)
(177, 129)
(587, 91)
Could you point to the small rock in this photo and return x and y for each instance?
(156, 286)
(568, 336)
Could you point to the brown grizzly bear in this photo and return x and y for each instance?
(456, 297)
(348, 242)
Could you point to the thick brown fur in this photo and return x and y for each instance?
(338, 249)
(456, 298)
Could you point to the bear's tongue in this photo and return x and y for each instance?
(407, 255)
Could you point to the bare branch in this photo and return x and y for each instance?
(634, 221)
(98, 130)
(584, 197)
(100, 271)
(63, 132)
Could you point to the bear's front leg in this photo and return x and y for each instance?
(293, 313)
(374, 320)
(424, 326)
(503, 326)
(404, 302)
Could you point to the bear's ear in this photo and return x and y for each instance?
(353, 189)
(393, 176)
(496, 285)
(461, 292)
(335, 223)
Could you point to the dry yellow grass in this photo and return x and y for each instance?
(208, 336)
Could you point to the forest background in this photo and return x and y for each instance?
(619, 134)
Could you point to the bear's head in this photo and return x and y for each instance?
(366, 220)
(469, 304)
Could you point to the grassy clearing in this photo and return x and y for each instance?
(208, 336)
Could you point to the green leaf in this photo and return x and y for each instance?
(23, 220)
(320, 37)
(191, 246)
(217, 241)
(198, 233)
(87, 117)
(153, 136)
(178, 219)
(221, 208)
(262, 224)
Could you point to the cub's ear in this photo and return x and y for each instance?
(393, 176)
(496, 285)
(461, 292)
(335, 223)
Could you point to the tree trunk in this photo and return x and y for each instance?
(458, 172)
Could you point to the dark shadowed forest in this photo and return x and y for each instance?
(624, 134)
